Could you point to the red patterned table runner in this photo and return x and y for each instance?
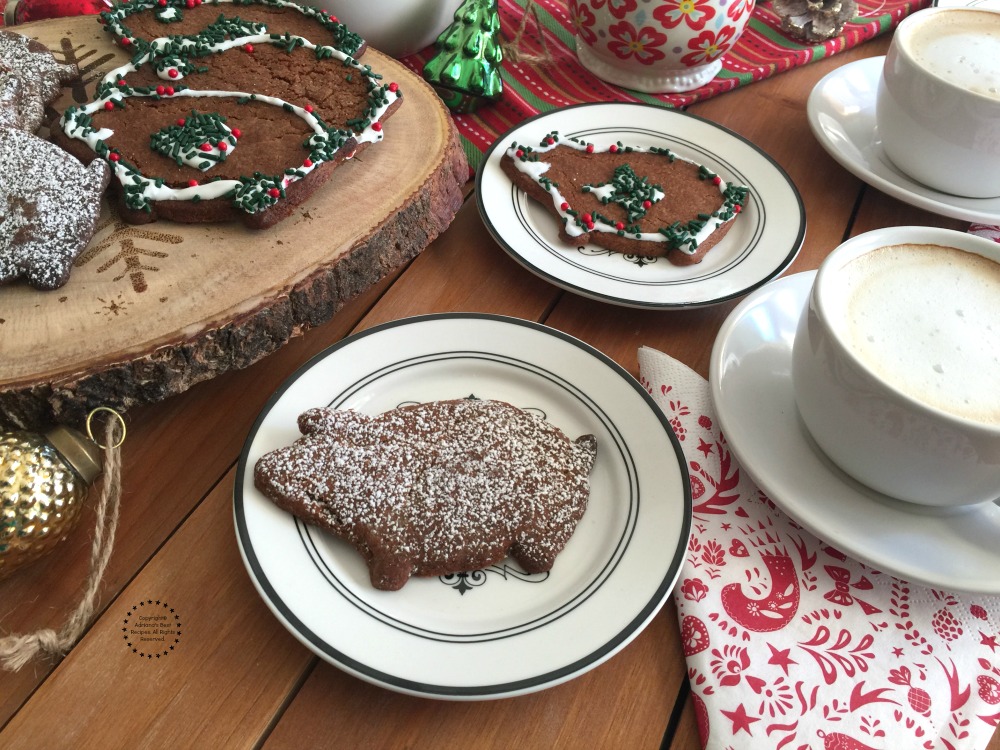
(529, 87)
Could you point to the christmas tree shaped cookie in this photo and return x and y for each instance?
(647, 202)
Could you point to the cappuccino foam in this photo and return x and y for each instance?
(961, 46)
(926, 320)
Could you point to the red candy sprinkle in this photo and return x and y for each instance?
(620, 225)
(308, 108)
(590, 225)
(160, 90)
(205, 147)
(236, 132)
(307, 163)
(587, 219)
(162, 3)
(613, 149)
(590, 148)
(564, 205)
(519, 153)
(377, 126)
(122, 84)
(274, 192)
(173, 72)
(737, 208)
(192, 183)
(647, 204)
(248, 48)
(169, 90)
(549, 141)
(180, 121)
(189, 3)
(125, 41)
(716, 180)
(394, 87)
(113, 156)
(223, 146)
(109, 105)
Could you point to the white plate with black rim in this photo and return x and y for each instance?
(762, 242)
(496, 632)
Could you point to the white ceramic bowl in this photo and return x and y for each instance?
(944, 132)
(898, 439)
(396, 27)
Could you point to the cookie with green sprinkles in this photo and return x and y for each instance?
(198, 132)
(135, 24)
(648, 202)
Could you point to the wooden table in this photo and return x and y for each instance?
(237, 678)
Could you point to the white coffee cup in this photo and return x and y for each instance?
(896, 364)
(938, 101)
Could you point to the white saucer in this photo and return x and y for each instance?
(841, 111)
(750, 376)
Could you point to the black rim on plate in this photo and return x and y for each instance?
(498, 236)
(329, 652)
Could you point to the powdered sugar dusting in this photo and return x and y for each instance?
(50, 204)
(30, 70)
(435, 488)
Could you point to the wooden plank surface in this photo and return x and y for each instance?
(237, 679)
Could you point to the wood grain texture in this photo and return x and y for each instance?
(240, 679)
(151, 310)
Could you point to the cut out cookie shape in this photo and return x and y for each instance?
(205, 130)
(646, 202)
(137, 24)
(30, 79)
(435, 488)
(49, 205)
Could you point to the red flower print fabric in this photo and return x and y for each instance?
(789, 643)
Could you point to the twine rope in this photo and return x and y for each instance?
(512, 50)
(18, 650)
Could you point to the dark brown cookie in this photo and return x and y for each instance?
(646, 202)
(435, 488)
(135, 24)
(30, 79)
(49, 204)
(241, 133)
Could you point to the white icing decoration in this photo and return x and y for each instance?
(217, 188)
(535, 169)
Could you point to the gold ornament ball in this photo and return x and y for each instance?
(41, 492)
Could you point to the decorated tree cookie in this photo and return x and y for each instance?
(639, 201)
(136, 24)
(199, 130)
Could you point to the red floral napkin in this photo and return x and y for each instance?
(790, 644)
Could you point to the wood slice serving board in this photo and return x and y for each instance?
(151, 310)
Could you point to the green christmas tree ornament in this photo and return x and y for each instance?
(465, 69)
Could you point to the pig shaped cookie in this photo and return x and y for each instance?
(435, 488)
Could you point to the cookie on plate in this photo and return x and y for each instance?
(49, 204)
(637, 201)
(435, 488)
(30, 79)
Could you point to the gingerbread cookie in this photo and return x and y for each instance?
(435, 488)
(49, 204)
(136, 24)
(30, 79)
(647, 202)
(206, 131)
